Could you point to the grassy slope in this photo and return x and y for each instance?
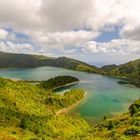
(124, 127)
(109, 67)
(36, 107)
(128, 70)
(76, 65)
(28, 112)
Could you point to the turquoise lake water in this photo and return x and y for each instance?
(105, 96)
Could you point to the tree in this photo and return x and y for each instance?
(133, 110)
(111, 125)
(23, 123)
(133, 131)
(105, 117)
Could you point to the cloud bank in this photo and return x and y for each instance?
(70, 27)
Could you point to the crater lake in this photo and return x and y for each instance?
(105, 96)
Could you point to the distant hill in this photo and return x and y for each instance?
(18, 60)
(29, 61)
(109, 67)
(129, 70)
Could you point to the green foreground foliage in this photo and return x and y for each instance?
(28, 112)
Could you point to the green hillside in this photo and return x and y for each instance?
(124, 127)
(28, 112)
(29, 61)
(129, 70)
(109, 67)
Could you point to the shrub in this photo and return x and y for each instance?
(133, 121)
(133, 110)
(105, 117)
(23, 123)
(33, 139)
(111, 125)
(13, 132)
(133, 131)
(113, 133)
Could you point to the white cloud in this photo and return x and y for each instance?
(132, 32)
(3, 34)
(69, 38)
(45, 15)
(115, 12)
(65, 15)
(3, 46)
(67, 27)
(62, 15)
(19, 14)
(71, 51)
(118, 46)
(16, 48)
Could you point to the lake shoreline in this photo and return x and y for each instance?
(66, 85)
(102, 90)
(39, 81)
(67, 109)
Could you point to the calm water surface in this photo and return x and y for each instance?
(105, 96)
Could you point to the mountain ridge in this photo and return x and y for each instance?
(127, 70)
(130, 69)
(29, 61)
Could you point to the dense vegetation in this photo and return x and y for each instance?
(124, 127)
(28, 61)
(20, 60)
(28, 112)
(58, 81)
(134, 82)
(109, 67)
(130, 71)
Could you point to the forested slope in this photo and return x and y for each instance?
(29, 61)
(28, 112)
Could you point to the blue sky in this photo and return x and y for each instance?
(89, 30)
(107, 36)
